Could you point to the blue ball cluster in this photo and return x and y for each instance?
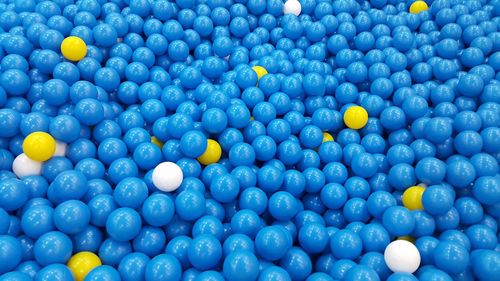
(281, 204)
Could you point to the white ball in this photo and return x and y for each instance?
(402, 256)
(292, 7)
(61, 148)
(23, 166)
(167, 176)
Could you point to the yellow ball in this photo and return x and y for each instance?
(39, 146)
(156, 141)
(355, 117)
(327, 137)
(418, 6)
(212, 153)
(82, 263)
(407, 238)
(260, 71)
(73, 48)
(412, 198)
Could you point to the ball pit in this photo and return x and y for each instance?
(249, 140)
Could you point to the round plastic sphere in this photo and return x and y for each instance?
(123, 224)
(346, 244)
(412, 198)
(437, 199)
(204, 252)
(130, 192)
(73, 48)
(39, 146)
(193, 144)
(212, 153)
(133, 266)
(14, 194)
(398, 221)
(158, 210)
(190, 204)
(167, 176)
(53, 247)
(451, 257)
(292, 7)
(402, 256)
(241, 265)
(71, 216)
(355, 117)
(23, 166)
(313, 237)
(487, 190)
(56, 272)
(272, 242)
(103, 272)
(297, 263)
(10, 255)
(82, 263)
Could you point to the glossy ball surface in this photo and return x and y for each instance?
(73, 48)
(82, 263)
(355, 117)
(402, 256)
(39, 146)
(167, 176)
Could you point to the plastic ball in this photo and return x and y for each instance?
(54, 271)
(451, 257)
(212, 153)
(402, 256)
(39, 146)
(73, 48)
(241, 265)
(437, 199)
(167, 176)
(346, 244)
(53, 247)
(123, 224)
(412, 198)
(11, 253)
(71, 216)
(292, 7)
(23, 166)
(355, 117)
(82, 263)
(261, 71)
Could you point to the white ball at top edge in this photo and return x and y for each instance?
(23, 166)
(167, 176)
(292, 7)
(61, 148)
(402, 256)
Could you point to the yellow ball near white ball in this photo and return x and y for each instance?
(23, 166)
(39, 146)
(292, 7)
(167, 176)
(402, 256)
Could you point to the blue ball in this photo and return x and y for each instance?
(241, 265)
(11, 255)
(346, 244)
(56, 271)
(398, 221)
(103, 272)
(133, 266)
(71, 216)
(123, 224)
(451, 257)
(437, 199)
(204, 252)
(53, 247)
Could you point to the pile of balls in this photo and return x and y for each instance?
(243, 140)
